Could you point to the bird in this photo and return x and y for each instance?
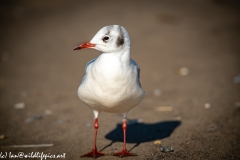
(112, 80)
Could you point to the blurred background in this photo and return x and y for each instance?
(189, 55)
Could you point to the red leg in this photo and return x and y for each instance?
(124, 152)
(94, 153)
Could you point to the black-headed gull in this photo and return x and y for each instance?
(111, 82)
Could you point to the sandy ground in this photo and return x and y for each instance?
(196, 112)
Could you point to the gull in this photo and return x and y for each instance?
(111, 81)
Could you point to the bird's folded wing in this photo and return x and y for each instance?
(138, 71)
(88, 64)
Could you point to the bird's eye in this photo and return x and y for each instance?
(105, 38)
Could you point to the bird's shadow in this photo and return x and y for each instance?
(142, 132)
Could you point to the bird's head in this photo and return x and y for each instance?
(108, 39)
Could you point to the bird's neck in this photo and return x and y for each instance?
(122, 55)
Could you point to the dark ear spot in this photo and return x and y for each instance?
(120, 40)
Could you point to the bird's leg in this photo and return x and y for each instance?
(124, 152)
(94, 153)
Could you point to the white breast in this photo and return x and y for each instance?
(111, 85)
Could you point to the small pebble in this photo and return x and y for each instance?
(212, 127)
(237, 104)
(60, 121)
(88, 124)
(48, 112)
(236, 79)
(178, 118)
(164, 108)
(157, 142)
(157, 92)
(184, 71)
(207, 105)
(2, 136)
(166, 149)
(19, 105)
(24, 94)
(134, 121)
(34, 118)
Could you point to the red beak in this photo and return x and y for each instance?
(85, 45)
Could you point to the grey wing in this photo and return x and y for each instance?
(138, 71)
(88, 64)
